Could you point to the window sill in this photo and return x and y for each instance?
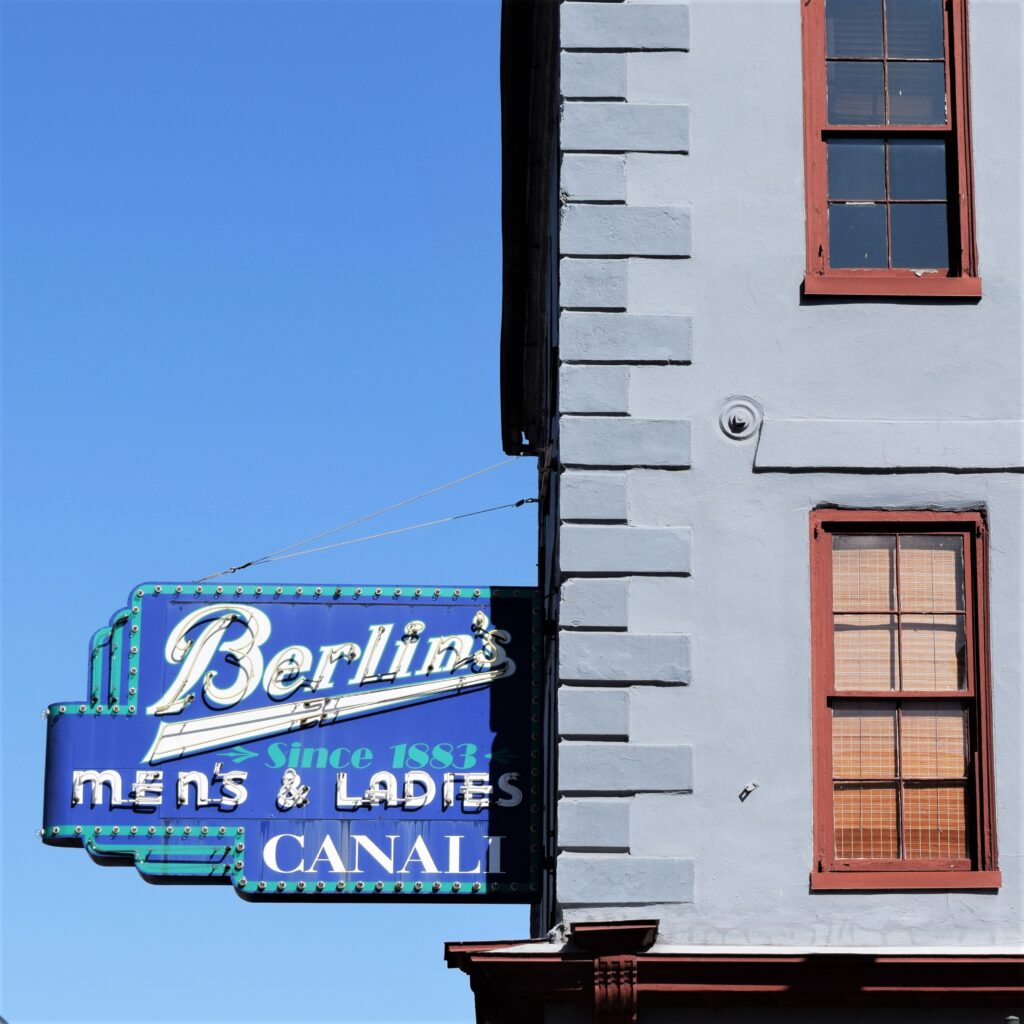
(894, 881)
(860, 283)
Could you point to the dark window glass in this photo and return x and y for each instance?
(853, 28)
(917, 169)
(914, 28)
(856, 235)
(920, 238)
(917, 93)
(856, 169)
(855, 93)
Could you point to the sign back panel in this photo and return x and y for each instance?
(302, 741)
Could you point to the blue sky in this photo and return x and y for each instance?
(251, 289)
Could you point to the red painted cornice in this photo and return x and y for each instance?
(595, 968)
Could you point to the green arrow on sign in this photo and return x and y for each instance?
(238, 754)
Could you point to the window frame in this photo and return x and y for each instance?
(828, 872)
(959, 281)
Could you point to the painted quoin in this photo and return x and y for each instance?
(761, 328)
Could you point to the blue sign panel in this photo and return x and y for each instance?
(309, 741)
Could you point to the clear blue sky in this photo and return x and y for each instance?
(251, 276)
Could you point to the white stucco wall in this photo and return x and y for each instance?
(684, 639)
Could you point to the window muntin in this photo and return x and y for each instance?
(902, 786)
(888, 155)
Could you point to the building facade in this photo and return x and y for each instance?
(762, 330)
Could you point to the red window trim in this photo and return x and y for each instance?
(828, 873)
(961, 282)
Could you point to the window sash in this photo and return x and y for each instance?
(978, 869)
(960, 278)
(885, 60)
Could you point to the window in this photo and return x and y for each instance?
(902, 777)
(887, 149)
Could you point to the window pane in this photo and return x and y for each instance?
(855, 93)
(931, 574)
(920, 237)
(853, 28)
(856, 235)
(917, 93)
(864, 741)
(935, 822)
(917, 169)
(914, 28)
(863, 573)
(933, 741)
(865, 822)
(856, 169)
(934, 652)
(866, 656)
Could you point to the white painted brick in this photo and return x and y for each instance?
(642, 26)
(627, 550)
(623, 337)
(658, 497)
(594, 176)
(592, 230)
(655, 128)
(657, 392)
(592, 284)
(593, 712)
(585, 767)
(593, 823)
(660, 286)
(660, 604)
(588, 388)
(657, 78)
(658, 179)
(594, 603)
(624, 441)
(624, 657)
(593, 74)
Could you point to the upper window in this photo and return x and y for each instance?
(902, 781)
(887, 146)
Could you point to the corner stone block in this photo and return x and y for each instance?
(624, 657)
(589, 389)
(592, 284)
(625, 338)
(624, 441)
(629, 26)
(611, 879)
(593, 713)
(593, 824)
(597, 177)
(593, 74)
(585, 495)
(591, 230)
(594, 604)
(625, 127)
(629, 550)
(623, 768)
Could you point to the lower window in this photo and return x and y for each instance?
(903, 782)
